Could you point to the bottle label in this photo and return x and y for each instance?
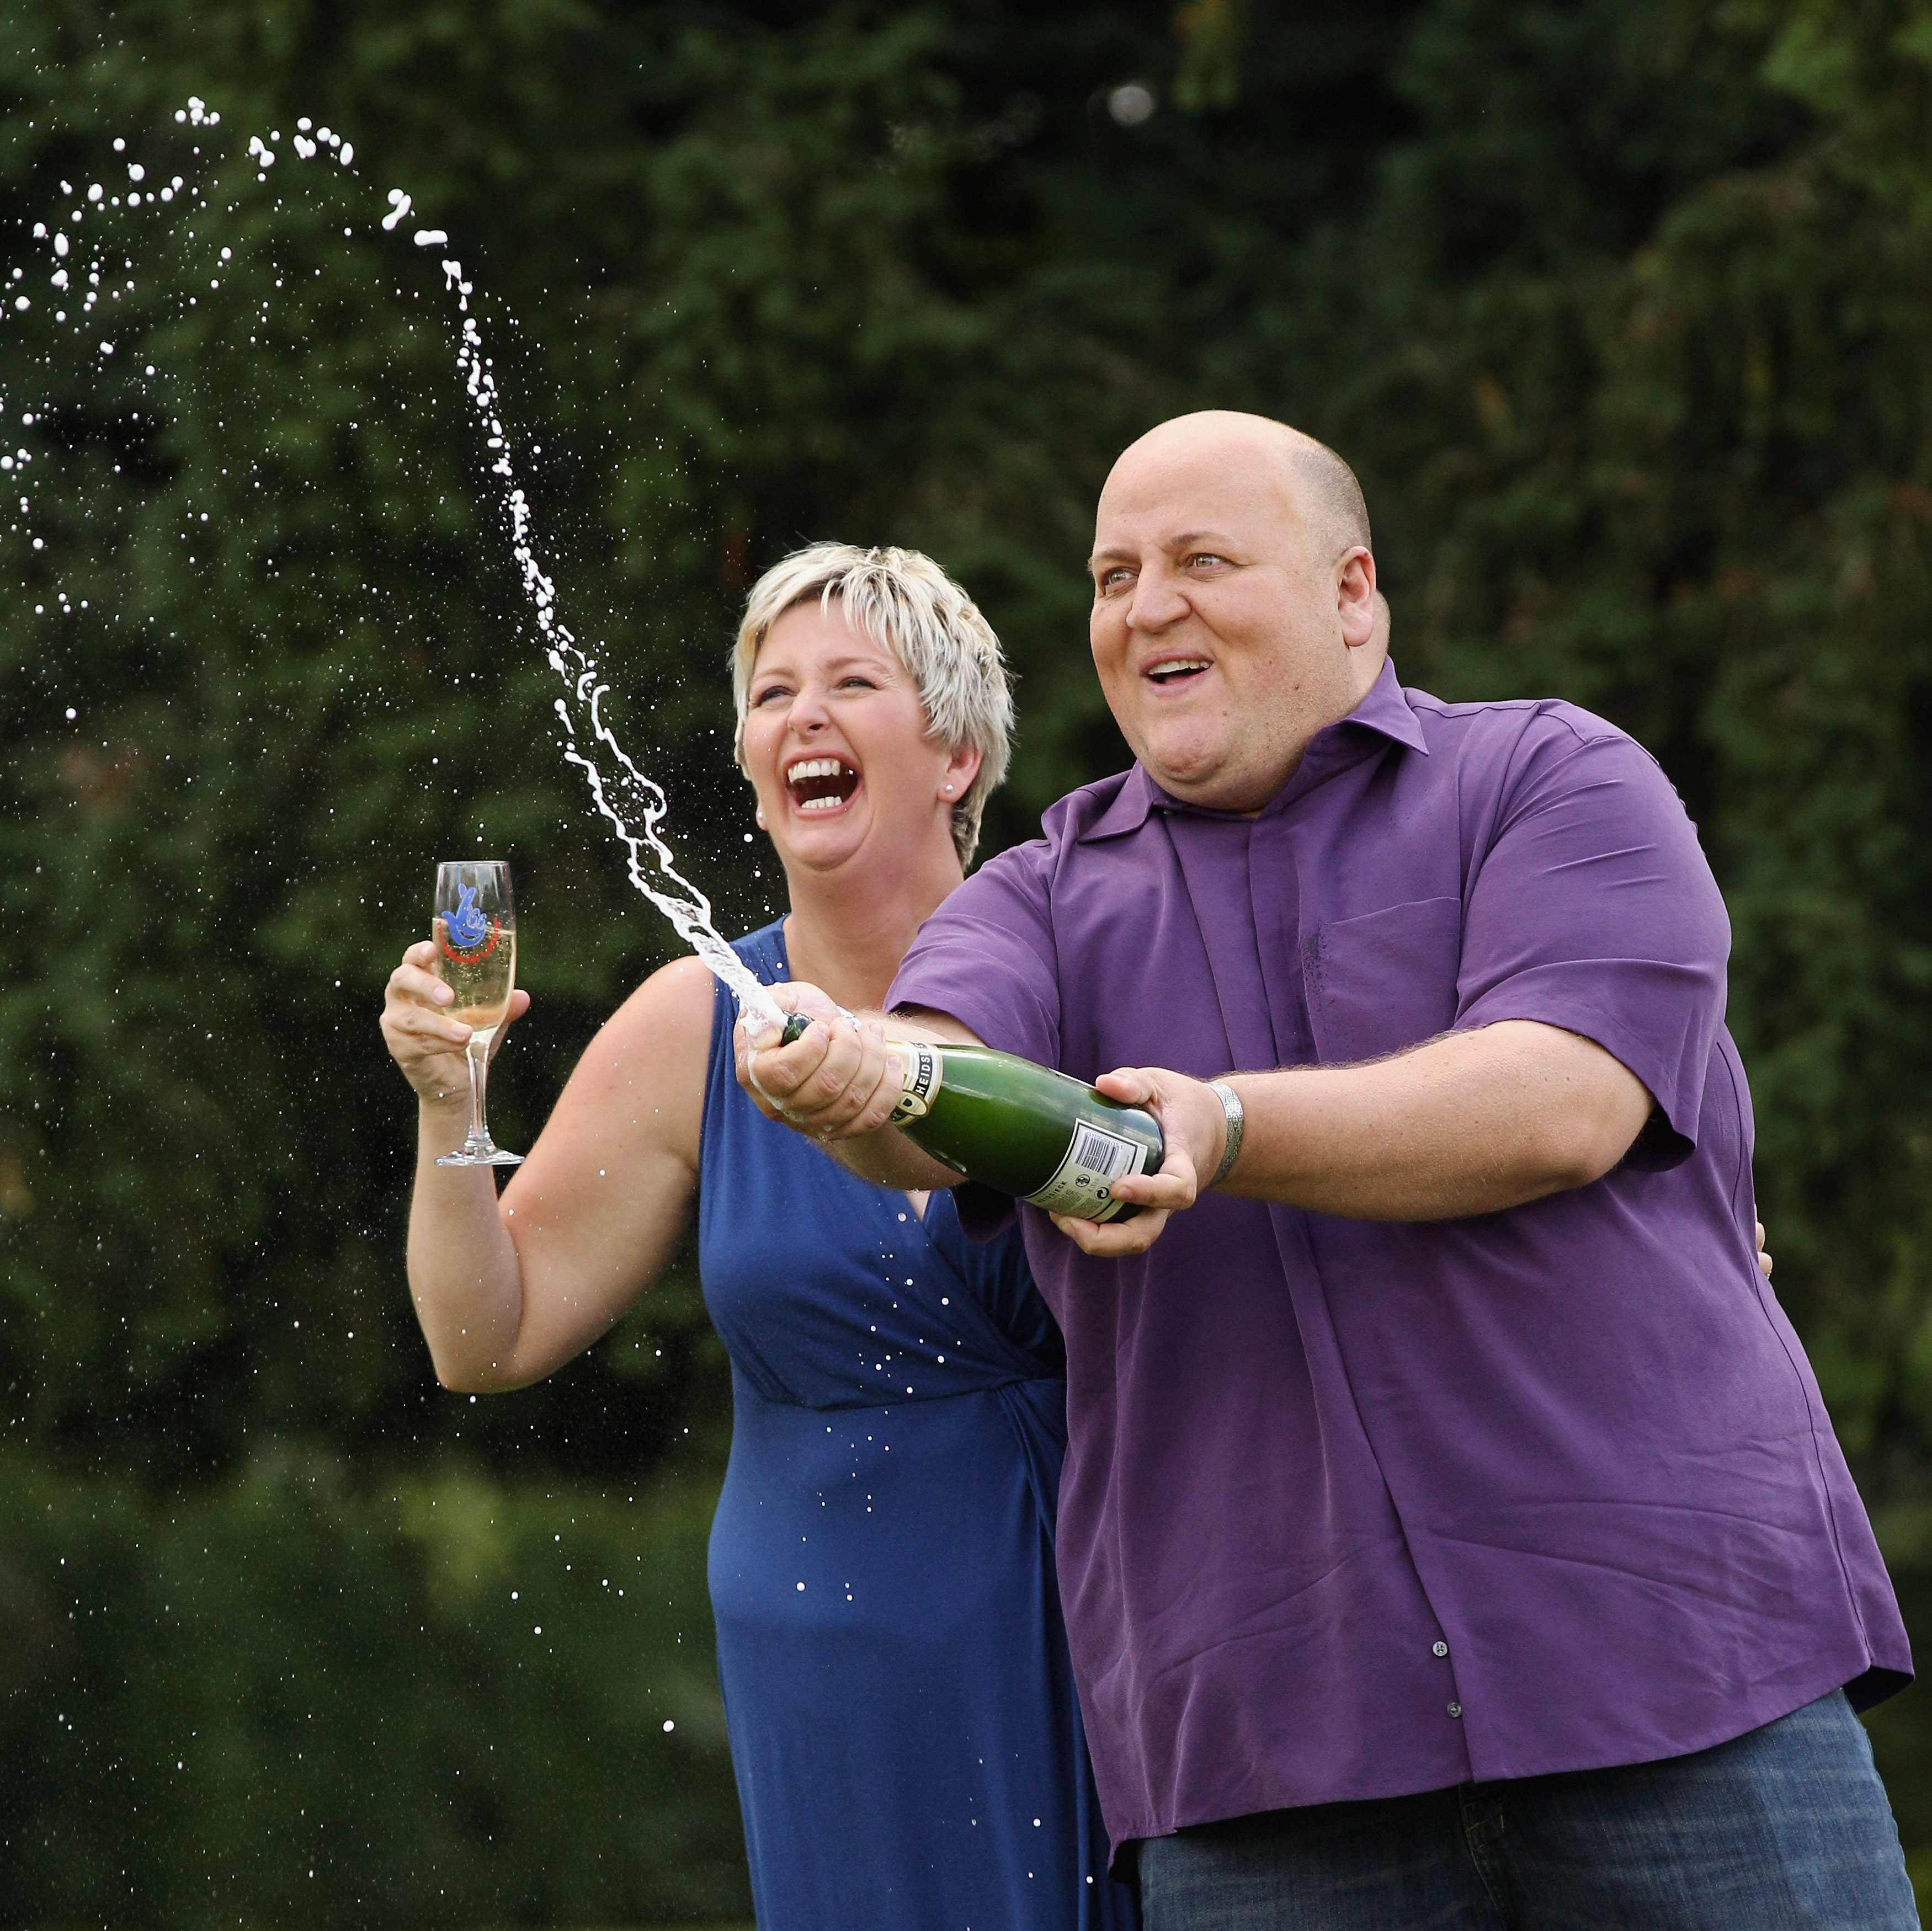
(1095, 1159)
(922, 1073)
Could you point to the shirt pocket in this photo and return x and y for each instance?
(1384, 981)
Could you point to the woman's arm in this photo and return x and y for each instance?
(507, 1291)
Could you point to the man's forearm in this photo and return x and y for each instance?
(1470, 1123)
(888, 1159)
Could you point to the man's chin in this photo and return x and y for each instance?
(1216, 783)
(1183, 766)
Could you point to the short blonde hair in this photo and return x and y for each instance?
(907, 605)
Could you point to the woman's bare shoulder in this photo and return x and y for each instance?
(678, 995)
(653, 1049)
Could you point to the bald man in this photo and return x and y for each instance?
(1451, 1532)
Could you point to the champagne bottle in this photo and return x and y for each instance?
(1022, 1127)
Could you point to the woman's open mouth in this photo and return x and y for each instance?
(819, 784)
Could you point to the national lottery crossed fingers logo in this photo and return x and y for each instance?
(466, 934)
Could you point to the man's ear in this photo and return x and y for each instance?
(1357, 602)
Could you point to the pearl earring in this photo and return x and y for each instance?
(948, 791)
(759, 815)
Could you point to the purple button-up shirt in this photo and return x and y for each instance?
(1352, 1509)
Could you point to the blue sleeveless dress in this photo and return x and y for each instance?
(901, 1704)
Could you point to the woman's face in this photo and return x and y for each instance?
(835, 743)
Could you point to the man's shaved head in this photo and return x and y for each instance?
(1323, 488)
(1336, 507)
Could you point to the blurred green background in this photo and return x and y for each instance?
(1622, 309)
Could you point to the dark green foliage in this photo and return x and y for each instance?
(1619, 307)
(280, 1701)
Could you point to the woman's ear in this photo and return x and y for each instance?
(961, 768)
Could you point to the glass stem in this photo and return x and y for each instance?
(478, 1058)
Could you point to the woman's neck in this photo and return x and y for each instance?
(847, 935)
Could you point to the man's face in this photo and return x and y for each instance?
(1220, 631)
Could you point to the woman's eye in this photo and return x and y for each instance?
(765, 696)
(856, 684)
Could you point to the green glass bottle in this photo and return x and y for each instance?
(1022, 1127)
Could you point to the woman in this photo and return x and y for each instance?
(902, 1719)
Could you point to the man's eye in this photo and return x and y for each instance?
(1112, 580)
(1204, 558)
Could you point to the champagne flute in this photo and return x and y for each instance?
(475, 929)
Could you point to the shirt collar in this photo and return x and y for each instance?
(1385, 711)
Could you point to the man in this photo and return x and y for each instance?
(1451, 1532)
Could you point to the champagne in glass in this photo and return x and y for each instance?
(474, 928)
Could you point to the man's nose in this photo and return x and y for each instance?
(1157, 601)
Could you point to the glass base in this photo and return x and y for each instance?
(485, 1156)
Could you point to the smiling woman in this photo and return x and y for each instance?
(903, 1725)
(888, 623)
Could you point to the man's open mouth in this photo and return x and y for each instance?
(821, 783)
(1177, 669)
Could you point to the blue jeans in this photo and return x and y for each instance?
(1786, 1828)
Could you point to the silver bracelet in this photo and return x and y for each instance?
(1238, 1120)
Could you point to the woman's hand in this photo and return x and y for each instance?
(1763, 1258)
(422, 1039)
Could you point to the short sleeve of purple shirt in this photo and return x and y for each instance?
(996, 942)
(1591, 907)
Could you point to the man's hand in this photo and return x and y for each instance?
(1195, 1129)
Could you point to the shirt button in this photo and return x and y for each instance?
(1455, 1709)
(1440, 1648)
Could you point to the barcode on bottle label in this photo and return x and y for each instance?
(1094, 1161)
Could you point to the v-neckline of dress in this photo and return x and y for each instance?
(918, 1213)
